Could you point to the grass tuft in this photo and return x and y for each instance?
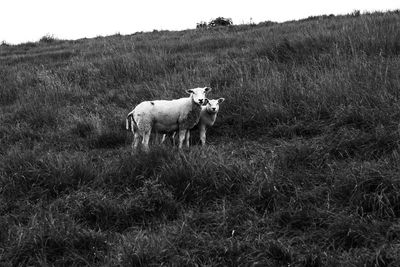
(54, 240)
(24, 173)
(204, 181)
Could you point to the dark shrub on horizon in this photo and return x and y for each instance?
(220, 21)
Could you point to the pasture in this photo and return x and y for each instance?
(301, 167)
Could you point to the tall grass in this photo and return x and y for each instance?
(301, 167)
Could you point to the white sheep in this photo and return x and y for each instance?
(208, 115)
(166, 116)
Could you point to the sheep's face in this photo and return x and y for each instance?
(199, 94)
(213, 105)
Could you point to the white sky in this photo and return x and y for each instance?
(29, 20)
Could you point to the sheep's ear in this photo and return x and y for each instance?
(189, 91)
(207, 89)
(220, 100)
(206, 101)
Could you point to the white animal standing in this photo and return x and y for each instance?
(208, 115)
(166, 116)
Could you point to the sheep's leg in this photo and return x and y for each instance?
(136, 140)
(157, 138)
(173, 139)
(146, 138)
(182, 134)
(203, 135)
(163, 138)
(187, 138)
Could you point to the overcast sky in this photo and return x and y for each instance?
(29, 20)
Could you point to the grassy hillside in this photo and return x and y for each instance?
(302, 167)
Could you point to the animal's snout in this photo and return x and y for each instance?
(201, 101)
(213, 109)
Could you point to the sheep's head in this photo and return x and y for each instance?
(199, 94)
(213, 105)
